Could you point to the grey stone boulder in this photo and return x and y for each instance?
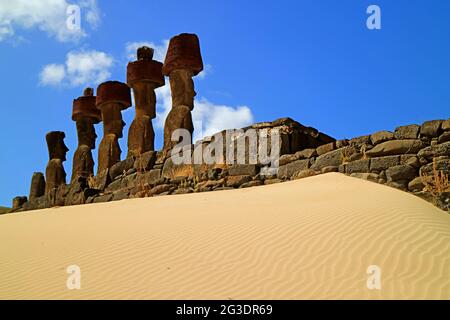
(121, 167)
(145, 161)
(431, 128)
(358, 166)
(383, 163)
(401, 173)
(381, 136)
(325, 148)
(286, 171)
(237, 181)
(396, 147)
(438, 150)
(372, 177)
(333, 158)
(446, 125)
(243, 169)
(445, 137)
(407, 132)
(416, 185)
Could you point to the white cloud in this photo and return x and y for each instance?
(52, 74)
(80, 68)
(49, 16)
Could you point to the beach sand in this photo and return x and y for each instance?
(307, 239)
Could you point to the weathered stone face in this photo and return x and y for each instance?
(83, 163)
(182, 88)
(55, 175)
(86, 132)
(56, 146)
(141, 136)
(112, 119)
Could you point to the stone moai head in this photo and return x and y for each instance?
(144, 76)
(112, 98)
(86, 114)
(183, 61)
(56, 146)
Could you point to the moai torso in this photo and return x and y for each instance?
(85, 114)
(112, 98)
(144, 76)
(55, 174)
(183, 61)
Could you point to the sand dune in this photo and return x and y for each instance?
(307, 239)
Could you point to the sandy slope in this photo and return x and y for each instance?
(312, 238)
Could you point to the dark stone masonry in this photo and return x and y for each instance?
(413, 158)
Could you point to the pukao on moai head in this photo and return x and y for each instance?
(55, 175)
(183, 61)
(85, 114)
(144, 76)
(112, 98)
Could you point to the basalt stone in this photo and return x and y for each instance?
(396, 147)
(243, 169)
(306, 154)
(161, 189)
(304, 174)
(120, 195)
(416, 184)
(359, 141)
(171, 170)
(435, 151)
(442, 164)
(401, 184)
(129, 181)
(210, 184)
(18, 202)
(358, 166)
(330, 169)
(401, 173)
(407, 132)
(102, 180)
(431, 128)
(325, 148)
(103, 198)
(75, 195)
(214, 173)
(152, 178)
(250, 184)
(183, 191)
(341, 143)
(114, 186)
(36, 204)
(146, 161)
(373, 177)
(381, 136)
(57, 196)
(287, 158)
(89, 192)
(37, 188)
(446, 125)
(121, 167)
(236, 181)
(333, 158)
(383, 163)
(271, 181)
(445, 137)
(286, 171)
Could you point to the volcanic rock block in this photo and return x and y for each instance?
(243, 169)
(121, 167)
(37, 188)
(183, 54)
(358, 166)
(333, 158)
(287, 171)
(445, 137)
(381, 136)
(236, 181)
(446, 125)
(431, 128)
(145, 161)
(401, 173)
(325, 148)
(383, 163)
(396, 147)
(407, 132)
(435, 151)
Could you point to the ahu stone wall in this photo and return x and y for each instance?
(413, 158)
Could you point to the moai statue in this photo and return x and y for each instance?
(112, 98)
(183, 61)
(144, 76)
(85, 114)
(37, 188)
(55, 175)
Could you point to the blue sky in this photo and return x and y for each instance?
(312, 60)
